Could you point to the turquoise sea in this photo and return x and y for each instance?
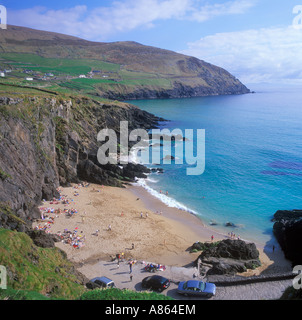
(253, 158)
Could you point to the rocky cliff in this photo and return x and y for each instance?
(50, 141)
(288, 231)
(178, 90)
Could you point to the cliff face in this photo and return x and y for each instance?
(192, 78)
(288, 231)
(179, 90)
(27, 175)
(47, 142)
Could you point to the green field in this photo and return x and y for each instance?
(64, 66)
(105, 76)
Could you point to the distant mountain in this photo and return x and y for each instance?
(138, 71)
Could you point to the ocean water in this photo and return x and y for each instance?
(253, 158)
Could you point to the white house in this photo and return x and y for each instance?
(29, 79)
(82, 76)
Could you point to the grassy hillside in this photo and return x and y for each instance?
(35, 273)
(115, 70)
(63, 75)
(42, 270)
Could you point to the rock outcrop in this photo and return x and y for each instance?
(288, 231)
(179, 90)
(43, 239)
(227, 256)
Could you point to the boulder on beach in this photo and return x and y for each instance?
(229, 256)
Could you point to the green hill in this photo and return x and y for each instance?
(118, 70)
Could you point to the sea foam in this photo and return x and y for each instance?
(167, 200)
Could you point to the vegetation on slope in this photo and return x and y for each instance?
(43, 270)
(111, 70)
(125, 294)
(35, 273)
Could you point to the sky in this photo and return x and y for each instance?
(256, 40)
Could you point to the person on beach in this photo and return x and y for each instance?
(130, 267)
(212, 238)
(109, 227)
(141, 215)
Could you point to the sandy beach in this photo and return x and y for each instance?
(105, 221)
(164, 236)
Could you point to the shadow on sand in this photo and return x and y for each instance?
(275, 254)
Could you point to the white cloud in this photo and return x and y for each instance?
(64, 21)
(99, 23)
(266, 54)
(210, 11)
(122, 16)
(132, 14)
